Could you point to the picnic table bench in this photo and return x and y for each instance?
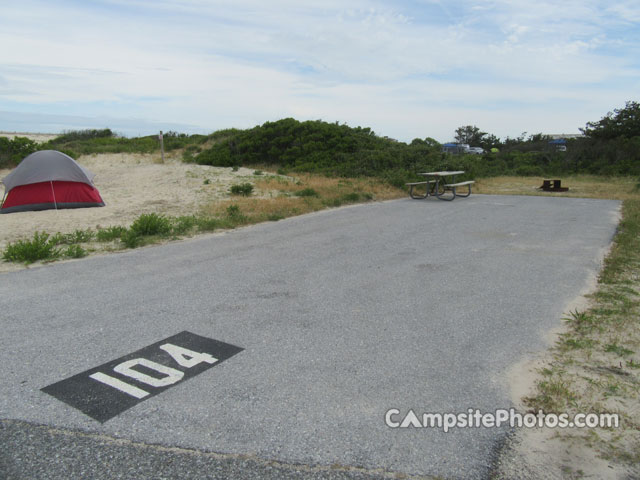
(438, 183)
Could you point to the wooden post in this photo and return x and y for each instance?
(161, 146)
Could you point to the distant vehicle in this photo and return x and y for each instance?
(457, 148)
(560, 144)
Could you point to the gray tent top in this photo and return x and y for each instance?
(45, 166)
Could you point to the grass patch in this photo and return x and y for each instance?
(307, 192)
(618, 349)
(183, 225)
(580, 186)
(244, 189)
(75, 251)
(110, 233)
(131, 239)
(207, 224)
(151, 224)
(40, 247)
(553, 395)
(78, 236)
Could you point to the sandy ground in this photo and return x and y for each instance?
(553, 454)
(130, 184)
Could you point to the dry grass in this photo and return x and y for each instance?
(328, 187)
(281, 197)
(584, 186)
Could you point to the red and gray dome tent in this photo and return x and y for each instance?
(49, 179)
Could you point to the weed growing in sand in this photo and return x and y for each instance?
(233, 211)
(618, 349)
(151, 224)
(29, 251)
(75, 251)
(110, 233)
(130, 239)
(183, 225)
(596, 359)
(307, 192)
(79, 236)
(243, 189)
(207, 224)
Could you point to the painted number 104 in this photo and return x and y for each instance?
(166, 375)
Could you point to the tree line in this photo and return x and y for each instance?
(610, 146)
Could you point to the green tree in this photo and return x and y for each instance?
(622, 122)
(469, 134)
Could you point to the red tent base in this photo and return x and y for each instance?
(50, 195)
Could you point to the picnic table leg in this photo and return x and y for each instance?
(418, 196)
(441, 195)
(468, 192)
(453, 195)
(436, 187)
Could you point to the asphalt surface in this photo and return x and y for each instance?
(341, 315)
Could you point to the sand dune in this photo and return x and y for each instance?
(130, 184)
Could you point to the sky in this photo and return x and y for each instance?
(407, 69)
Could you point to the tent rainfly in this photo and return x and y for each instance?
(49, 179)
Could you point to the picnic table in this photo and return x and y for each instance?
(438, 183)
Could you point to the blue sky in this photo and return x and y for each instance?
(407, 69)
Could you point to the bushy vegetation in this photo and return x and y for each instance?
(29, 251)
(83, 142)
(13, 151)
(611, 147)
(45, 247)
(110, 233)
(151, 224)
(241, 189)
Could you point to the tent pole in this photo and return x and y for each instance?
(54, 195)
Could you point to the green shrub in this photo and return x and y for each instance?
(206, 224)
(244, 189)
(182, 225)
(333, 202)
(151, 224)
(13, 151)
(79, 236)
(350, 197)
(29, 251)
(307, 192)
(233, 211)
(110, 233)
(257, 172)
(75, 251)
(130, 239)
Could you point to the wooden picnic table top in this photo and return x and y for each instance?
(441, 174)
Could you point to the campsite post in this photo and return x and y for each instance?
(161, 146)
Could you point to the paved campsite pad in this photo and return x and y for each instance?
(342, 315)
